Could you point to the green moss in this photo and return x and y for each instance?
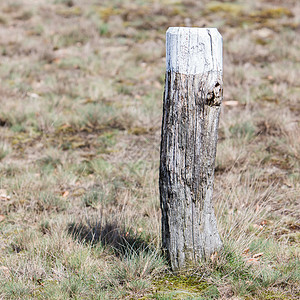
(183, 287)
(273, 13)
(106, 12)
(69, 12)
(228, 8)
(272, 295)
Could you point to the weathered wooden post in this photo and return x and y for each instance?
(191, 108)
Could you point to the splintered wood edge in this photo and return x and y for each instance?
(194, 51)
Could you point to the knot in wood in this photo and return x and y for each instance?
(214, 98)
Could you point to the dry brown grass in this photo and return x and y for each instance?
(81, 105)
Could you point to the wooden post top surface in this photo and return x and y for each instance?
(191, 50)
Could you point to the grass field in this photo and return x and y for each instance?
(81, 105)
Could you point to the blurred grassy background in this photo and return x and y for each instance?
(81, 104)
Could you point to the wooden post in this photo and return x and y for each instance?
(191, 108)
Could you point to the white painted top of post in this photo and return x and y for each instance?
(193, 51)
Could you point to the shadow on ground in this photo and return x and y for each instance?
(109, 234)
